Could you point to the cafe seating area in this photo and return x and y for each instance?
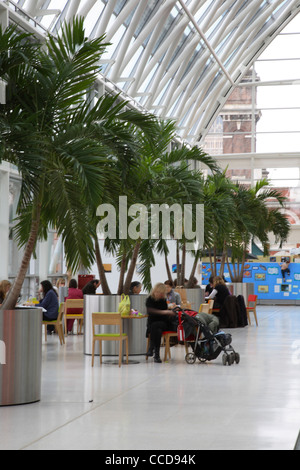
(252, 405)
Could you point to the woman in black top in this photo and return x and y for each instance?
(159, 318)
(219, 293)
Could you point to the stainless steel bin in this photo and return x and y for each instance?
(20, 356)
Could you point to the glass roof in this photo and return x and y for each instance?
(178, 59)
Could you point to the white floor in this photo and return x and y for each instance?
(253, 405)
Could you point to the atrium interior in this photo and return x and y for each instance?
(227, 73)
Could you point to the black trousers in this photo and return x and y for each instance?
(285, 271)
(156, 329)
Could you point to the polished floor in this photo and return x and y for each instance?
(253, 405)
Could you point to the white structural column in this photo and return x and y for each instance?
(4, 220)
(4, 184)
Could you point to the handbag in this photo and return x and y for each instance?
(124, 305)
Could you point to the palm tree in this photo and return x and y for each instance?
(161, 177)
(165, 177)
(218, 214)
(59, 142)
(253, 219)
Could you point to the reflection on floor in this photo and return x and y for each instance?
(173, 405)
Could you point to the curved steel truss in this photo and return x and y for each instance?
(179, 59)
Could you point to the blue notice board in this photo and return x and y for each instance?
(267, 279)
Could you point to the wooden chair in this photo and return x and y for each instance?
(207, 308)
(58, 324)
(252, 299)
(166, 335)
(74, 304)
(184, 302)
(211, 306)
(166, 342)
(104, 318)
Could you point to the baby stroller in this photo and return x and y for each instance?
(206, 346)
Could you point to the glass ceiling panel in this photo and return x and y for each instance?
(166, 44)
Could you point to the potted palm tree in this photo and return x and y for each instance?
(162, 176)
(60, 144)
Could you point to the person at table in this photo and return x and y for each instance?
(91, 287)
(4, 289)
(173, 298)
(73, 293)
(60, 283)
(49, 302)
(219, 292)
(135, 288)
(210, 286)
(159, 320)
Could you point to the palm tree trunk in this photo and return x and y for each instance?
(192, 275)
(212, 267)
(14, 293)
(223, 260)
(169, 273)
(122, 275)
(131, 268)
(101, 270)
(229, 269)
(178, 270)
(183, 260)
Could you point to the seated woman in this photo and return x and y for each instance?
(159, 318)
(74, 293)
(4, 289)
(49, 303)
(91, 287)
(219, 292)
(173, 298)
(135, 288)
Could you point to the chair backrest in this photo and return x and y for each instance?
(204, 308)
(210, 305)
(107, 318)
(73, 303)
(60, 312)
(182, 292)
(252, 298)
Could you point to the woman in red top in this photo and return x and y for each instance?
(74, 293)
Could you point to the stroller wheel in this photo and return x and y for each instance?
(190, 358)
(237, 358)
(224, 359)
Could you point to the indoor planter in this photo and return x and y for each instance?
(20, 356)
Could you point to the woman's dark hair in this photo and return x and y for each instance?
(46, 286)
(73, 284)
(134, 284)
(90, 287)
(169, 283)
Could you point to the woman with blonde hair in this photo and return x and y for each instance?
(159, 318)
(219, 292)
(4, 289)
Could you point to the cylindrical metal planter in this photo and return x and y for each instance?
(20, 356)
(242, 288)
(135, 328)
(195, 297)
